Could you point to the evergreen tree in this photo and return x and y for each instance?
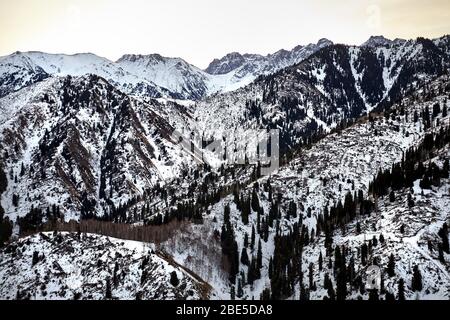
(108, 294)
(374, 241)
(392, 196)
(35, 259)
(320, 261)
(401, 290)
(364, 251)
(252, 238)
(255, 199)
(240, 291)
(443, 233)
(174, 279)
(6, 228)
(391, 266)
(270, 268)
(259, 256)
(229, 245)
(416, 283)
(244, 257)
(311, 276)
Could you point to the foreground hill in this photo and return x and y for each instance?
(85, 266)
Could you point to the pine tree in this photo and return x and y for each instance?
(374, 241)
(443, 233)
(252, 238)
(259, 256)
(251, 276)
(35, 259)
(6, 228)
(320, 261)
(364, 252)
(174, 279)
(240, 291)
(391, 266)
(416, 283)
(270, 268)
(229, 245)
(22, 169)
(246, 240)
(311, 276)
(401, 290)
(392, 196)
(108, 294)
(255, 199)
(244, 257)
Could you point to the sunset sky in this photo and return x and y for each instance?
(200, 30)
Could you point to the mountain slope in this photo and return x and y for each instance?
(17, 72)
(83, 145)
(335, 85)
(67, 266)
(292, 202)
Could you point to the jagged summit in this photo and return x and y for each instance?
(377, 41)
(253, 63)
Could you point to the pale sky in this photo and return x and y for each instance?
(201, 30)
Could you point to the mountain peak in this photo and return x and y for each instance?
(324, 42)
(137, 57)
(226, 64)
(377, 41)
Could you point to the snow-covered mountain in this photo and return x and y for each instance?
(297, 215)
(41, 65)
(156, 76)
(82, 142)
(257, 64)
(145, 75)
(71, 266)
(237, 70)
(364, 140)
(335, 85)
(18, 71)
(184, 80)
